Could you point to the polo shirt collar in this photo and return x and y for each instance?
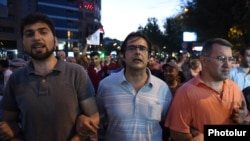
(197, 80)
(124, 80)
(58, 67)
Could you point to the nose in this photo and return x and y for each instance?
(37, 35)
(137, 50)
(227, 63)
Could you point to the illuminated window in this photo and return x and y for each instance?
(89, 6)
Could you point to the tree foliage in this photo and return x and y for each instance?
(173, 34)
(229, 19)
(216, 18)
(153, 32)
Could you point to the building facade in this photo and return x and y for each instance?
(73, 19)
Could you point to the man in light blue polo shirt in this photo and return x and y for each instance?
(241, 74)
(132, 103)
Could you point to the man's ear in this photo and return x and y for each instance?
(56, 41)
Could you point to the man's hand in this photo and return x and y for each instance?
(238, 113)
(197, 135)
(6, 132)
(86, 126)
(78, 138)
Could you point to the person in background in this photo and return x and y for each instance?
(183, 63)
(154, 63)
(183, 60)
(208, 98)
(44, 99)
(110, 63)
(4, 68)
(17, 63)
(71, 59)
(107, 60)
(237, 56)
(5, 75)
(82, 59)
(171, 76)
(195, 67)
(241, 74)
(96, 70)
(132, 102)
(155, 67)
(246, 92)
(119, 63)
(172, 59)
(76, 51)
(62, 55)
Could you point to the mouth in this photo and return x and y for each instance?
(137, 60)
(35, 46)
(226, 71)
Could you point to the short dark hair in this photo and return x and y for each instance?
(171, 58)
(208, 45)
(136, 34)
(94, 53)
(36, 17)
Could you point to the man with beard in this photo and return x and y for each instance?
(48, 95)
(241, 74)
(208, 98)
(133, 102)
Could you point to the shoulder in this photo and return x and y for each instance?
(155, 80)
(112, 78)
(235, 70)
(188, 90)
(189, 85)
(73, 67)
(231, 84)
(20, 71)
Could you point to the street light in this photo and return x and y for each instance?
(67, 46)
(186, 10)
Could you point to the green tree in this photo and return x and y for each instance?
(110, 45)
(154, 33)
(173, 34)
(216, 18)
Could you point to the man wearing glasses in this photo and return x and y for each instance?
(133, 102)
(208, 98)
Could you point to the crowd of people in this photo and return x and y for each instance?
(134, 97)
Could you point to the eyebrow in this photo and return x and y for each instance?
(39, 29)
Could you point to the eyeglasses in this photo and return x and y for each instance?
(134, 48)
(224, 59)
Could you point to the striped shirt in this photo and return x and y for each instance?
(240, 77)
(132, 116)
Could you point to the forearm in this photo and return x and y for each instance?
(79, 138)
(10, 126)
(182, 138)
(15, 128)
(85, 48)
(95, 118)
(179, 136)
